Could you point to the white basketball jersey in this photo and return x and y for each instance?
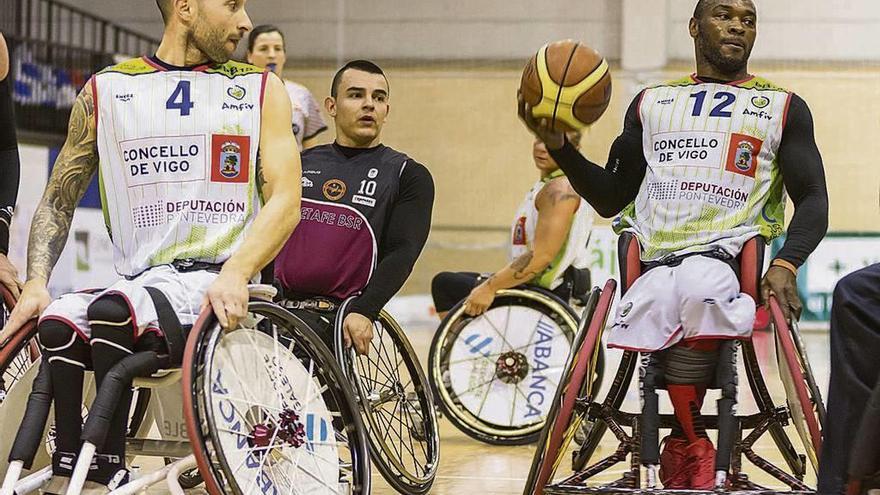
(573, 252)
(713, 179)
(178, 151)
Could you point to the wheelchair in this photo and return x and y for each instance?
(577, 405)
(262, 409)
(393, 395)
(495, 375)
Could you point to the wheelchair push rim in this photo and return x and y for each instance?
(264, 405)
(796, 375)
(566, 415)
(395, 403)
(517, 369)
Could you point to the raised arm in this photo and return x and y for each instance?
(74, 168)
(608, 189)
(280, 171)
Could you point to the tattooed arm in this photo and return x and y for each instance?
(556, 203)
(74, 168)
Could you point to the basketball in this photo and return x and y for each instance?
(568, 83)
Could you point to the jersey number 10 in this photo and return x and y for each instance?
(180, 99)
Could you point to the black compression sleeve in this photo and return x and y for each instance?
(804, 179)
(9, 163)
(611, 188)
(405, 236)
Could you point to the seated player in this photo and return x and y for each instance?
(366, 211)
(266, 49)
(550, 234)
(703, 164)
(195, 233)
(855, 327)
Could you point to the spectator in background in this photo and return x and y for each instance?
(9, 170)
(266, 49)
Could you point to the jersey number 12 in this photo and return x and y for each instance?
(180, 99)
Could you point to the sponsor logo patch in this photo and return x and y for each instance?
(760, 101)
(363, 200)
(236, 92)
(519, 232)
(334, 189)
(742, 155)
(306, 182)
(230, 160)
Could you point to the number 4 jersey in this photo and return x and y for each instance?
(712, 180)
(177, 151)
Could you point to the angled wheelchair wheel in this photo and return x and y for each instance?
(495, 374)
(804, 401)
(567, 411)
(19, 363)
(268, 411)
(396, 405)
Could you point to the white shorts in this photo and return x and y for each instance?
(698, 299)
(184, 290)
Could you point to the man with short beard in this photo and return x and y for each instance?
(703, 165)
(174, 138)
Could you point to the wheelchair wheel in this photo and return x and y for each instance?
(495, 374)
(804, 402)
(567, 411)
(396, 405)
(267, 409)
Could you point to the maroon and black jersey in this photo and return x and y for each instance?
(349, 199)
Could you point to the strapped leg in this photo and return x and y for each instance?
(112, 340)
(651, 372)
(68, 357)
(726, 378)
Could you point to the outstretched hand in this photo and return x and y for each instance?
(553, 138)
(782, 283)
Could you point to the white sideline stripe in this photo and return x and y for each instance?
(65, 346)
(111, 344)
(110, 323)
(68, 361)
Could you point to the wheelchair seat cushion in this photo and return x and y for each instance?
(698, 299)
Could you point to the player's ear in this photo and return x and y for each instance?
(330, 106)
(694, 27)
(185, 9)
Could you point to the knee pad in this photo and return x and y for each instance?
(55, 335)
(111, 322)
(61, 344)
(686, 366)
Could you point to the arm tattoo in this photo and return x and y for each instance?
(73, 171)
(520, 264)
(557, 197)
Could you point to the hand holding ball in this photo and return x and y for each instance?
(567, 83)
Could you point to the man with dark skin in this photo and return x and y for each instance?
(702, 165)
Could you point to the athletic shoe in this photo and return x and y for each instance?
(701, 464)
(674, 468)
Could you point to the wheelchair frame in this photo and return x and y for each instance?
(607, 414)
(194, 453)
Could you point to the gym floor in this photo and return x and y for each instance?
(466, 464)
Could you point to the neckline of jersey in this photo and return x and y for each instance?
(556, 173)
(161, 65)
(698, 80)
(348, 152)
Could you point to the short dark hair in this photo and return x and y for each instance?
(164, 8)
(262, 29)
(361, 65)
(702, 7)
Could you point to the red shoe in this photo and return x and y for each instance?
(674, 472)
(701, 464)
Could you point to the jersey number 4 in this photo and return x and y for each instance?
(723, 98)
(180, 99)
